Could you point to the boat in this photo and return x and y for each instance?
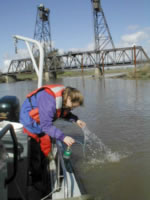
(61, 179)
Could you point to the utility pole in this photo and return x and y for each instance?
(103, 37)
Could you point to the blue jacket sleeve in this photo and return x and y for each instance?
(47, 111)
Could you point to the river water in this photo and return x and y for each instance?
(117, 113)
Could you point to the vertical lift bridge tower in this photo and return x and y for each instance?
(103, 37)
(42, 31)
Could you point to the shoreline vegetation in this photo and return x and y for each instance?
(140, 72)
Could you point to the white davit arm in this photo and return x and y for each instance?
(39, 70)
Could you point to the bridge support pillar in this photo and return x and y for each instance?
(46, 76)
(97, 72)
(49, 75)
(10, 78)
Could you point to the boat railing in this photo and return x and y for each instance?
(10, 128)
(61, 171)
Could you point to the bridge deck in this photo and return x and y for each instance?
(86, 59)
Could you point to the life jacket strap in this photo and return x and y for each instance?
(43, 139)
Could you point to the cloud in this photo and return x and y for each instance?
(141, 38)
(7, 62)
(61, 51)
(88, 47)
(134, 38)
(22, 53)
(5, 66)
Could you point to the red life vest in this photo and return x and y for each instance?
(45, 141)
(56, 92)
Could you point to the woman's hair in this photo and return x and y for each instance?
(74, 94)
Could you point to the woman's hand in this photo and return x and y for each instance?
(81, 123)
(69, 140)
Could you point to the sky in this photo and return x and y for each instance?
(71, 23)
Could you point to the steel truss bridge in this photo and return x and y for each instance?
(85, 60)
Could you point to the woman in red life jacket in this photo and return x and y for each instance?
(38, 112)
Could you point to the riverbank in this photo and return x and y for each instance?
(141, 72)
(18, 77)
(27, 76)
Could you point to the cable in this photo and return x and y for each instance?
(50, 194)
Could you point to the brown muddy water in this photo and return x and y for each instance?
(115, 163)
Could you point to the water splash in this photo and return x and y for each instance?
(95, 151)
